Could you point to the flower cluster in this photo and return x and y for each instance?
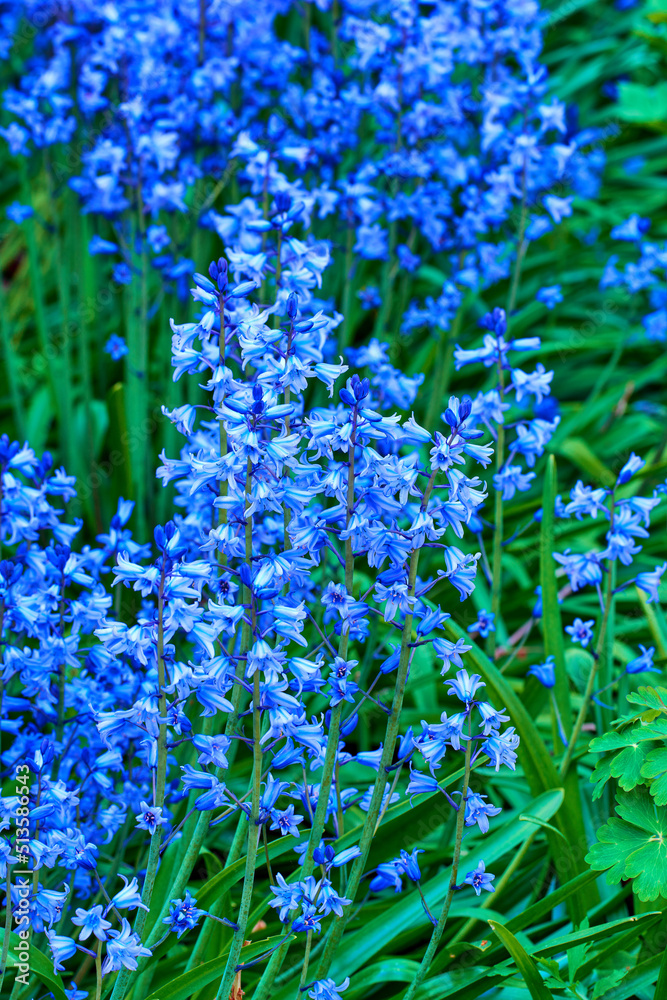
(249, 627)
(427, 130)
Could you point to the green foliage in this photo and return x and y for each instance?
(539, 943)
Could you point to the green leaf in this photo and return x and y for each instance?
(634, 845)
(228, 877)
(655, 767)
(582, 455)
(407, 914)
(632, 747)
(611, 979)
(184, 986)
(650, 697)
(40, 965)
(535, 912)
(539, 769)
(524, 963)
(643, 105)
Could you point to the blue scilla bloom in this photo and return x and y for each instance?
(184, 914)
(407, 862)
(643, 662)
(97, 245)
(581, 631)
(127, 898)
(500, 748)
(632, 229)
(582, 568)
(116, 347)
(465, 686)
(512, 479)
(550, 296)
(649, 582)
(484, 624)
(19, 213)
(62, 948)
(544, 672)
(91, 922)
(478, 810)
(480, 879)
(387, 876)
(421, 783)
(122, 274)
(124, 948)
(633, 465)
(326, 989)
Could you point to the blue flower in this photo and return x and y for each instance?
(99, 246)
(581, 631)
(550, 296)
(116, 347)
(183, 914)
(408, 863)
(19, 213)
(545, 672)
(480, 879)
(326, 989)
(484, 624)
(632, 229)
(633, 465)
(649, 582)
(124, 948)
(91, 922)
(643, 662)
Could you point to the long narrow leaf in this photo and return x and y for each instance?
(524, 963)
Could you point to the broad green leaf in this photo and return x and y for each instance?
(524, 963)
(655, 767)
(534, 913)
(390, 970)
(184, 986)
(582, 455)
(228, 877)
(650, 697)
(562, 943)
(643, 105)
(634, 845)
(631, 749)
(407, 913)
(40, 965)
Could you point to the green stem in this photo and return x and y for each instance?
(499, 887)
(37, 285)
(599, 651)
(344, 329)
(377, 795)
(496, 584)
(439, 929)
(122, 982)
(253, 821)
(443, 366)
(98, 972)
(11, 365)
(219, 906)
(304, 970)
(263, 991)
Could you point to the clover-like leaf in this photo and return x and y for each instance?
(655, 767)
(634, 845)
(632, 746)
(650, 697)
